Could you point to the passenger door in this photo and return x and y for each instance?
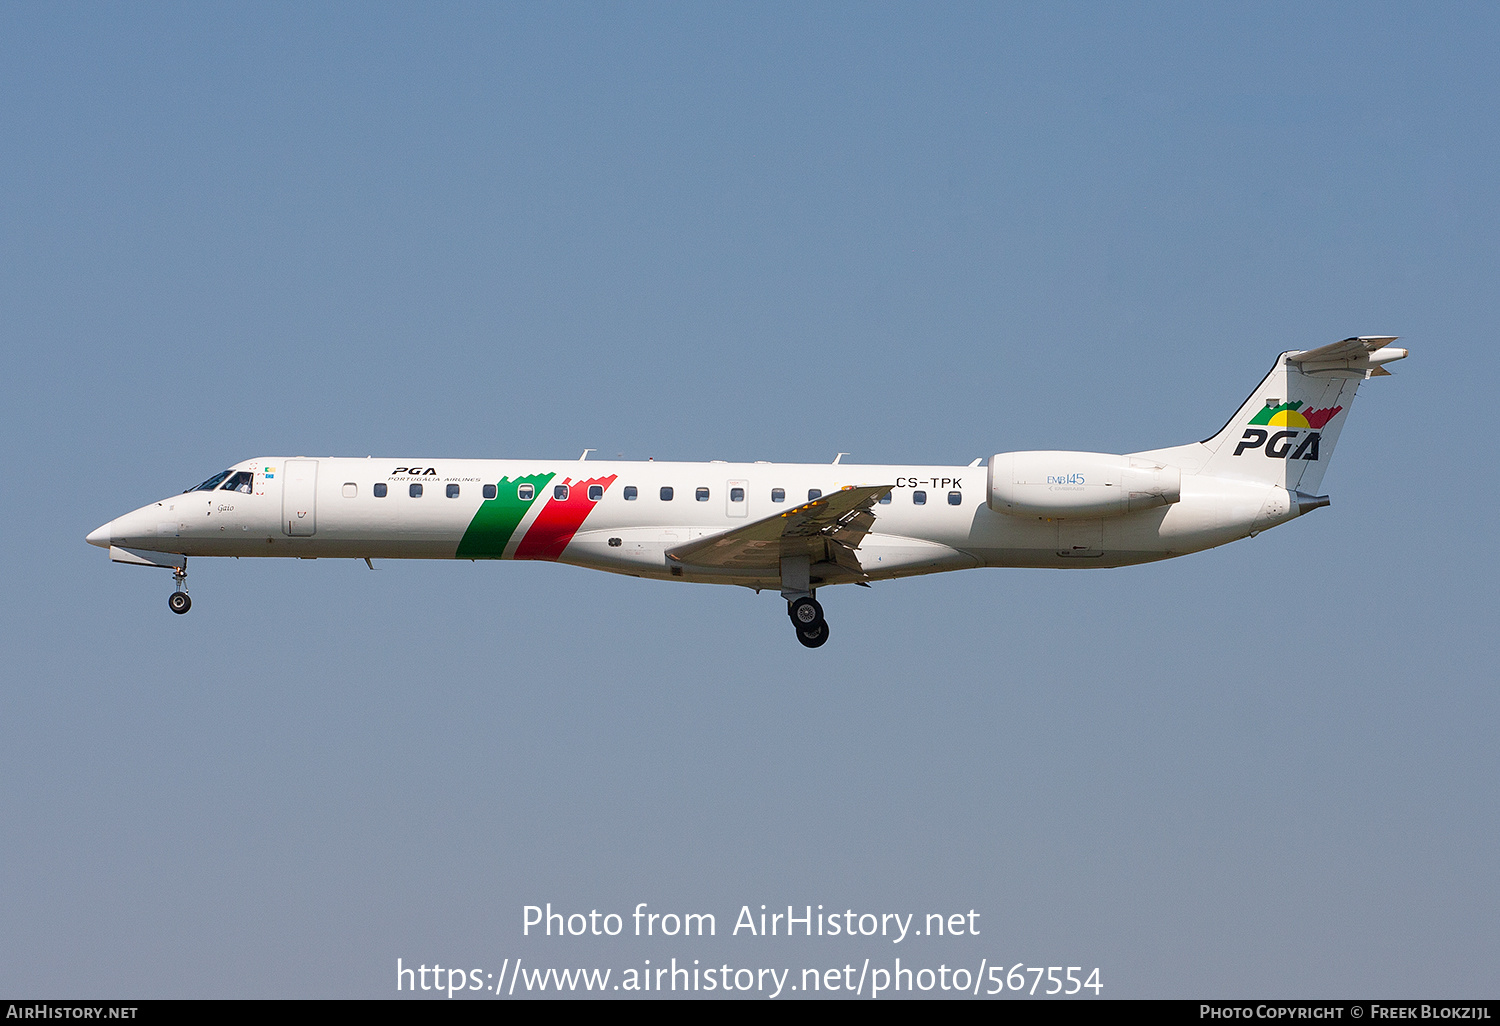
(299, 497)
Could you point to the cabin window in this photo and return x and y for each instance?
(701, 495)
(778, 494)
(453, 491)
(596, 492)
(885, 500)
(630, 493)
(955, 498)
(380, 490)
(666, 493)
(241, 481)
(560, 493)
(919, 498)
(814, 493)
(350, 489)
(736, 495)
(415, 491)
(489, 491)
(525, 493)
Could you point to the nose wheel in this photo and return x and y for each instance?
(178, 601)
(807, 617)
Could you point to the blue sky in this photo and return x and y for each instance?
(915, 234)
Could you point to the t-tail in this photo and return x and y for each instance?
(1285, 432)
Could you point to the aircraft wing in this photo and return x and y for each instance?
(827, 529)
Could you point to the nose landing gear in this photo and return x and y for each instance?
(178, 601)
(807, 617)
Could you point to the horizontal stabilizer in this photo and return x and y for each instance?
(1366, 353)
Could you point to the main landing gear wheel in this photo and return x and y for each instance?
(815, 636)
(178, 601)
(806, 614)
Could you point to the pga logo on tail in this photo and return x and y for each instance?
(1278, 445)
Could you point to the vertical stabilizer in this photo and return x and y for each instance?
(1284, 434)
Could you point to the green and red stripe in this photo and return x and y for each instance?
(560, 519)
(495, 523)
(497, 519)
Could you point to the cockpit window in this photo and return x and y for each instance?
(211, 483)
(240, 481)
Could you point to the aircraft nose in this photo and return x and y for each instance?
(99, 536)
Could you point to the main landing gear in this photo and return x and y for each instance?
(178, 601)
(807, 617)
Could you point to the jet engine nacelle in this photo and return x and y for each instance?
(1079, 484)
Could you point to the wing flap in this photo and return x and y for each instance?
(830, 527)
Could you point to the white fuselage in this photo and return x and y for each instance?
(788, 527)
(613, 515)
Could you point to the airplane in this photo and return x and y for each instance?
(787, 527)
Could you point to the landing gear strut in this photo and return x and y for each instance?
(807, 617)
(178, 601)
